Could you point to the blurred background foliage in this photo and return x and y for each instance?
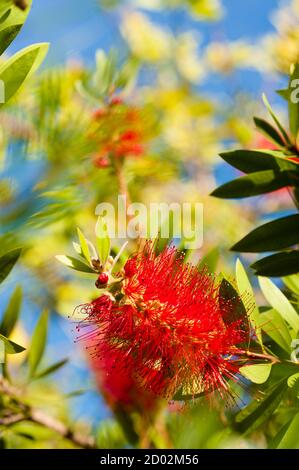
(168, 84)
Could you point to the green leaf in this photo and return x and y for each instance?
(77, 248)
(275, 235)
(7, 35)
(276, 120)
(284, 93)
(283, 370)
(2, 352)
(110, 435)
(292, 282)
(49, 370)
(7, 262)
(103, 240)
(210, 260)
(11, 313)
(258, 411)
(290, 440)
(279, 302)
(74, 263)
(38, 343)
(11, 22)
(251, 161)
(4, 14)
(277, 265)
(245, 288)
(10, 346)
(84, 246)
(293, 383)
(228, 295)
(256, 183)
(20, 66)
(257, 373)
(75, 393)
(276, 328)
(269, 131)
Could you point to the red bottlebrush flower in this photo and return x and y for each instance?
(169, 327)
(119, 387)
(129, 136)
(125, 149)
(130, 268)
(128, 144)
(119, 132)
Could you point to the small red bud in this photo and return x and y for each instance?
(116, 100)
(101, 161)
(102, 280)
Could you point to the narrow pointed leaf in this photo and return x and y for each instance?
(275, 235)
(276, 120)
(260, 182)
(292, 282)
(7, 262)
(49, 370)
(2, 352)
(7, 35)
(10, 346)
(245, 289)
(38, 343)
(290, 440)
(74, 263)
(250, 161)
(11, 313)
(277, 265)
(84, 246)
(272, 323)
(258, 411)
(20, 66)
(279, 302)
(269, 131)
(237, 310)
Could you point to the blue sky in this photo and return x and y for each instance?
(76, 29)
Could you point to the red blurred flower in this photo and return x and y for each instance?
(168, 328)
(119, 131)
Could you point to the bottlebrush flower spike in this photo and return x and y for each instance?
(167, 326)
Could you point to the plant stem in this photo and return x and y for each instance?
(268, 357)
(121, 180)
(28, 413)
